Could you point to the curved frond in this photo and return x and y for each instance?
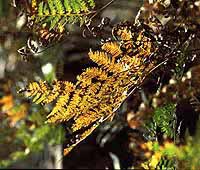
(80, 138)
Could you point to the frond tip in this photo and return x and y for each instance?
(39, 91)
(43, 93)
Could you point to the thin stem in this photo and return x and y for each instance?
(102, 8)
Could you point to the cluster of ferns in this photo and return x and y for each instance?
(134, 51)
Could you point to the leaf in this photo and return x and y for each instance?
(52, 12)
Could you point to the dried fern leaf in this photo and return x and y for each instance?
(99, 91)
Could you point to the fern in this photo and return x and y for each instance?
(98, 92)
(55, 14)
(164, 118)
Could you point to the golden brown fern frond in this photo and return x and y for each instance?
(57, 88)
(99, 91)
(34, 5)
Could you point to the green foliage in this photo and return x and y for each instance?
(50, 17)
(57, 13)
(166, 164)
(163, 118)
(189, 154)
(35, 138)
(30, 139)
(169, 155)
(161, 157)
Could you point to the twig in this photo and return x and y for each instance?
(101, 9)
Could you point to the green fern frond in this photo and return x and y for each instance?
(164, 117)
(57, 13)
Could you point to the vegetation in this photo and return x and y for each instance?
(141, 79)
